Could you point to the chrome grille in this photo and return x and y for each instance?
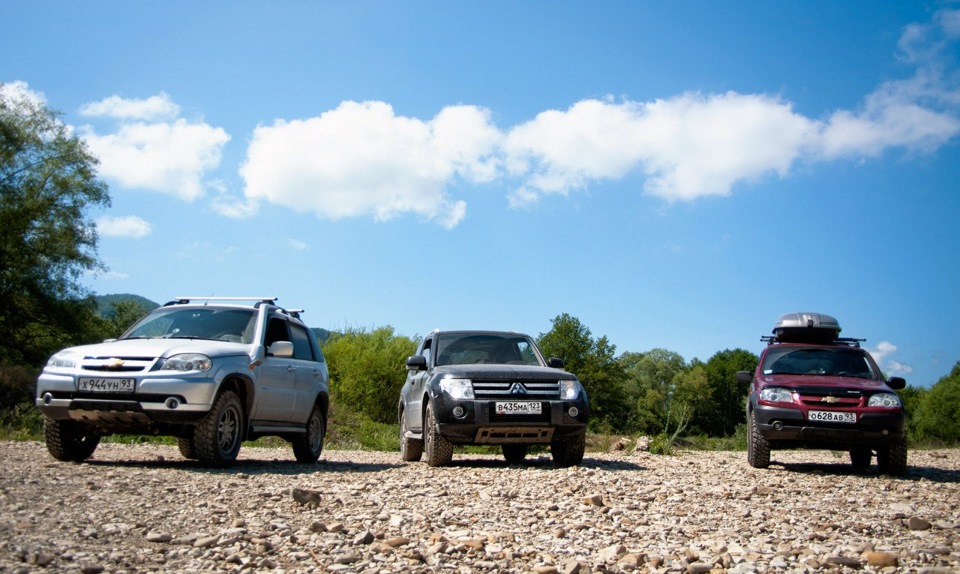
(116, 364)
(520, 390)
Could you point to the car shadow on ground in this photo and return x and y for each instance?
(846, 469)
(249, 466)
(544, 462)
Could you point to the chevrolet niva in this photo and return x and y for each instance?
(211, 371)
(814, 389)
(489, 387)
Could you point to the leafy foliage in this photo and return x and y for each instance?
(367, 370)
(47, 183)
(938, 416)
(594, 363)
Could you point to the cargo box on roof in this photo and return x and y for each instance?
(806, 327)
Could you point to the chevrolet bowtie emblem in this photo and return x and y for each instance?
(113, 364)
(830, 400)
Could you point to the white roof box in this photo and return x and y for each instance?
(806, 327)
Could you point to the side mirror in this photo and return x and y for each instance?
(281, 349)
(744, 377)
(555, 363)
(896, 383)
(417, 363)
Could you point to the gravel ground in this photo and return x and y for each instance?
(143, 508)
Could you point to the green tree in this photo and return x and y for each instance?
(367, 370)
(724, 403)
(938, 417)
(48, 182)
(912, 398)
(651, 380)
(125, 314)
(593, 361)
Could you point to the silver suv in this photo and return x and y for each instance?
(211, 372)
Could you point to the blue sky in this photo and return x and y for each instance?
(675, 175)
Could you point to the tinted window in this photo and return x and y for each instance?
(301, 343)
(844, 362)
(472, 348)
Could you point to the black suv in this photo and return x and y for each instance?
(814, 389)
(489, 387)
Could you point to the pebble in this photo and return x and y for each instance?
(370, 513)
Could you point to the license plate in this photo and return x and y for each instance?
(832, 416)
(106, 385)
(518, 408)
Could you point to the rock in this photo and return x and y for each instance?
(310, 498)
(881, 559)
(917, 523)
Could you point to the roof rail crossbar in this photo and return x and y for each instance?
(771, 339)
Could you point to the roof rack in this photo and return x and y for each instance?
(771, 339)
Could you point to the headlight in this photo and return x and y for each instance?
(63, 360)
(187, 362)
(888, 400)
(457, 388)
(776, 395)
(570, 390)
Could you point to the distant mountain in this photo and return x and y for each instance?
(105, 303)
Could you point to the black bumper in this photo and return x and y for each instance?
(479, 423)
(788, 427)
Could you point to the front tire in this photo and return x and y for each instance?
(439, 450)
(892, 458)
(308, 446)
(860, 457)
(187, 449)
(758, 448)
(514, 453)
(411, 449)
(568, 451)
(68, 441)
(217, 437)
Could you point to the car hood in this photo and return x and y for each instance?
(161, 347)
(511, 372)
(824, 381)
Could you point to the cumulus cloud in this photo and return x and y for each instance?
(153, 108)
(881, 354)
(124, 226)
(361, 159)
(19, 91)
(171, 156)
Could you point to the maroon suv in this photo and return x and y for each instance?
(814, 389)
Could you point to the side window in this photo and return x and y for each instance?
(301, 343)
(276, 331)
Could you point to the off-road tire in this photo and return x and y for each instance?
(758, 448)
(439, 451)
(187, 449)
(218, 436)
(568, 451)
(860, 457)
(68, 441)
(411, 449)
(514, 453)
(308, 446)
(892, 458)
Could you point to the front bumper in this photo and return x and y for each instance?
(479, 423)
(788, 427)
(156, 401)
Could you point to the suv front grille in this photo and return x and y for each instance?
(497, 389)
(116, 364)
(824, 397)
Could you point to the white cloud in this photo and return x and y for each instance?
(363, 160)
(881, 354)
(19, 91)
(170, 158)
(296, 244)
(153, 108)
(125, 226)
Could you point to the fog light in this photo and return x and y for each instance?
(458, 411)
(172, 403)
(884, 432)
(573, 411)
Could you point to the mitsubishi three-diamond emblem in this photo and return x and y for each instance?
(517, 389)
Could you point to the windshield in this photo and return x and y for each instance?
(472, 348)
(843, 362)
(234, 325)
